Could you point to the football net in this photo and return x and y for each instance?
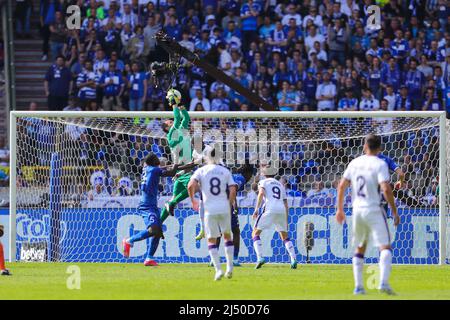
(75, 182)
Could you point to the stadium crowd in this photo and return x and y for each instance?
(298, 55)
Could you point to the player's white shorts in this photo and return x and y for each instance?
(217, 224)
(267, 220)
(370, 226)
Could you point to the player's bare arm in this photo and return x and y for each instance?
(193, 187)
(388, 195)
(233, 193)
(185, 169)
(259, 201)
(175, 170)
(401, 183)
(343, 185)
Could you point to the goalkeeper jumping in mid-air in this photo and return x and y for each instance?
(179, 140)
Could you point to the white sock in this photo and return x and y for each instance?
(202, 215)
(258, 247)
(385, 266)
(214, 254)
(358, 264)
(229, 251)
(290, 249)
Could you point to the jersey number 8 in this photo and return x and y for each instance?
(214, 185)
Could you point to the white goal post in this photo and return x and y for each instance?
(54, 156)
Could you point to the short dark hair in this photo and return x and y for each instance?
(373, 142)
(152, 159)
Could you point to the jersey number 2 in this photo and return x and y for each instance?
(361, 183)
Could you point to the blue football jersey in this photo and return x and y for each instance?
(391, 163)
(149, 187)
(240, 181)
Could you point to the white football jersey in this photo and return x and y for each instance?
(275, 194)
(365, 174)
(214, 181)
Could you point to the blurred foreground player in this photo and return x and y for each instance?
(3, 270)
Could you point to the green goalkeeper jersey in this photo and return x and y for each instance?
(179, 137)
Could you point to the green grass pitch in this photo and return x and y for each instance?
(195, 281)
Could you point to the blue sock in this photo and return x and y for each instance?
(142, 235)
(154, 243)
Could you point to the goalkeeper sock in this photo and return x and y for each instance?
(214, 254)
(258, 247)
(385, 266)
(229, 248)
(358, 264)
(290, 248)
(2, 258)
(142, 235)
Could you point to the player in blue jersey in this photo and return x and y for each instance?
(393, 167)
(148, 206)
(241, 177)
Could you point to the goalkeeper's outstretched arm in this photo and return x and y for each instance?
(186, 122)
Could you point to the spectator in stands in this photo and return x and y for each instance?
(58, 33)
(124, 188)
(431, 101)
(22, 15)
(137, 84)
(58, 84)
(338, 37)
(318, 192)
(249, 13)
(348, 103)
(390, 97)
(72, 105)
(415, 81)
(368, 101)
(47, 11)
(4, 153)
(87, 82)
(220, 102)
(325, 94)
(137, 48)
(99, 190)
(113, 86)
(287, 98)
(403, 102)
(199, 98)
